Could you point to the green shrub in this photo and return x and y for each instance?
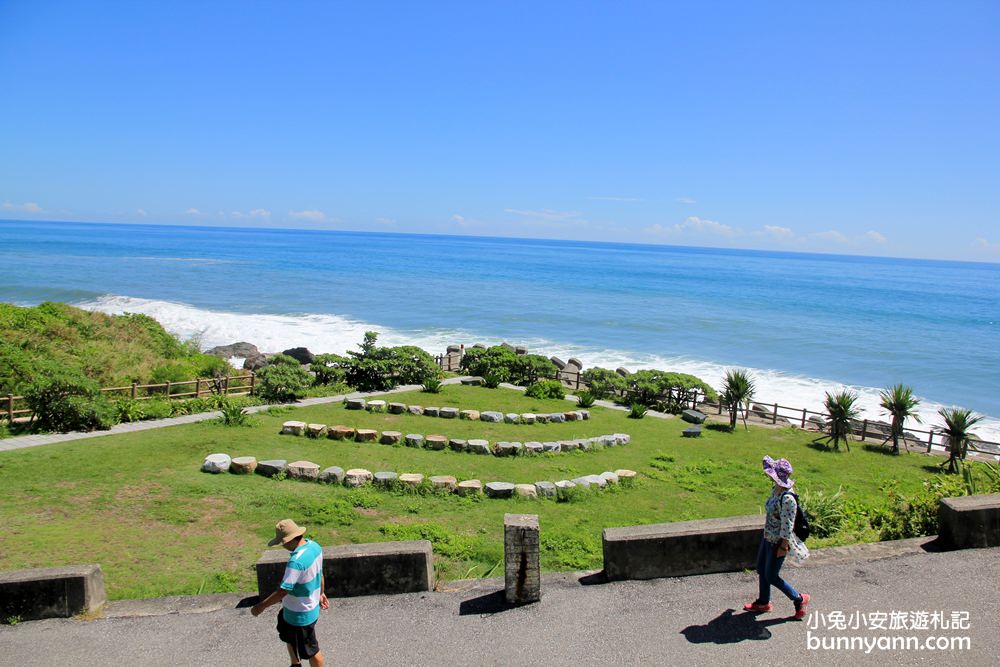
(604, 383)
(159, 408)
(377, 368)
(128, 410)
(527, 369)
(328, 369)
(282, 383)
(546, 389)
(916, 515)
(650, 386)
(234, 414)
(826, 513)
(492, 380)
(496, 360)
(432, 386)
(637, 411)
(445, 542)
(65, 400)
(585, 399)
(282, 360)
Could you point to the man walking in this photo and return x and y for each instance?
(301, 594)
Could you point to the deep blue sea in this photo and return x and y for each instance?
(803, 323)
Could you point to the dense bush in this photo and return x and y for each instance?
(64, 400)
(496, 360)
(328, 369)
(282, 382)
(604, 383)
(527, 369)
(648, 386)
(917, 514)
(546, 389)
(826, 513)
(637, 411)
(377, 368)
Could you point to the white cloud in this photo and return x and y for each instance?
(385, 222)
(831, 235)
(141, 212)
(545, 214)
(706, 227)
(192, 211)
(685, 200)
(614, 198)
(26, 207)
(875, 236)
(260, 213)
(779, 232)
(313, 215)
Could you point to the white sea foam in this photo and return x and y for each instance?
(333, 333)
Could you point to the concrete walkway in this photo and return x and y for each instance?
(579, 621)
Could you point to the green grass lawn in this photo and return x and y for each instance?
(139, 505)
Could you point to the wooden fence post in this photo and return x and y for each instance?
(225, 386)
(774, 415)
(134, 390)
(253, 380)
(10, 408)
(864, 430)
(803, 417)
(930, 441)
(168, 389)
(197, 387)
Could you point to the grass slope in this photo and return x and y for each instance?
(138, 504)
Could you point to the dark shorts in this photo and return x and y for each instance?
(302, 637)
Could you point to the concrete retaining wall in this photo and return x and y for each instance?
(970, 521)
(51, 592)
(684, 548)
(378, 568)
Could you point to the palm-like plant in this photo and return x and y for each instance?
(900, 402)
(958, 423)
(737, 392)
(840, 410)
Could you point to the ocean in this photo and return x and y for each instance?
(803, 324)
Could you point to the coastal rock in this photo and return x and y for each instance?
(375, 406)
(255, 362)
(365, 435)
(448, 413)
(470, 487)
(624, 372)
(499, 489)
(414, 440)
(304, 470)
(458, 444)
(512, 418)
(479, 447)
(411, 479)
(391, 437)
(340, 432)
(301, 355)
(243, 465)
(525, 490)
(545, 489)
(385, 478)
(436, 442)
(242, 350)
(216, 463)
(354, 404)
(315, 430)
(357, 477)
(431, 412)
(471, 415)
(332, 475)
(527, 418)
(293, 428)
(271, 467)
(490, 416)
(397, 408)
(533, 448)
(415, 410)
(446, 482)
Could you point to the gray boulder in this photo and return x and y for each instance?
(499, 489)
(272, 467)
(479, 446)
(431, 412)
(301, 355)
(545, 489)
(243, 350)
(355, 404)
(490, 416)
(216, 463)
(385, 478)
(304, 470)
(414, 440)
(448, 413)
(458, 444)
(332, 475)
(693, 416)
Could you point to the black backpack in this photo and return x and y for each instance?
(801, 528)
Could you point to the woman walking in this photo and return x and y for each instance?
(779, 541)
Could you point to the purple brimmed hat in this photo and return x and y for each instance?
(779, 471)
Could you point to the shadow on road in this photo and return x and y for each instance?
(728, 628)
(491, 603)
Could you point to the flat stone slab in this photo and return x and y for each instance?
(692, 432)
(340, 433)
(490, 416)
(610, 477)
(541, 419)
(469, 487)
(479, 447)
(444, 482)
(355, 404)
(533, 448)
(385, 478)
(411, 478)
(390, 437)
(458, 444)
(216, 463)
(293, 428)
(375, 406)
(332, 475)
(432, 412)
(272, 467)
(315, 430)
(415, 410)
(546, 489)
(448, 413)
(473, 381)
(499, 489)
(414, 440)
(527, 418)
(512, 418)
(509, 448)
(551, 447)
(571, 416)
(625, 476)
(366, 435)
(358, 477)
(304, 470)
(436, 442)
(397, 408)
(471, 415)
(243, 465)
(525, 490)
(693, 416)
(557, 418)
(568, 445)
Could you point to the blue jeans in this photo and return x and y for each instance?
(768, 567)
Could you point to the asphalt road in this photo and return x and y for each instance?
(579, 621)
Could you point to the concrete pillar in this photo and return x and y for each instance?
(522, 574)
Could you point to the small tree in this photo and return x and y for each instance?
(282, 382)
(64, 400)
(527, 369)
(840, 410)
(328, 368)
(497, 360)
(737, 391)
(604, 383)
(958, 423)
(900, 402)
(546, 389)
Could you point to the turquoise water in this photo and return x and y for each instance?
(804, 323)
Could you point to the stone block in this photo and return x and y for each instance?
(473, 381)
(527, 418)
(512, 418)
(436, 442)
(448, 413)
(444, 482)
(680, 549)
(568, 445)
(411, 479)
(365, 435)
(499, 489)
(509, 448)
(358, 477)
(391, 437)
(355, 404)
(414, 440)
(525, 491)
(340, 432)
(385, 478)
(551, 447)
(303, 470)
(584, 414)
(692, 432)
(381, 568)
(533, 448)
(315, 430)
(693, 416)
(332, 475)
(610, 477)
(557, 418)
(541, 419)
(457, 444)
(545, 489)
(216, 463)
(272, 467)
(479, 447)
(51, 592)
(571, 416)
(564, 485)
(490, 416)
(469, 487)
(415, 410)
(397, 408)
(471, 415)
(970, 521)
(625, 476)
(522, 571)
(243, 465)
(376, 406)
(431, 411)
(293, 428)
(623, 438)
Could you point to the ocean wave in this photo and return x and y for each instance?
(337, 334)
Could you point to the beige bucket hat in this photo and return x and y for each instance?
(285, 531)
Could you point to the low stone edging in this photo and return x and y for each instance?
(970, 521)
(494, 416)
(51, 592)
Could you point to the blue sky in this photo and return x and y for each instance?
(848, 127)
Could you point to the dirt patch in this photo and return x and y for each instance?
(366, 511)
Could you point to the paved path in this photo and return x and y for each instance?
(684, 621)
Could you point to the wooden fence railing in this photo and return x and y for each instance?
(14, 407)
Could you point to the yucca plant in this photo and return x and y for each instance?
(737, 391)
(826, 512)
(840, 410)
(492, 380)
(585, 399)
(432, 385)
(637, 411)
(900, 402)
(958, 423)
(234, 414)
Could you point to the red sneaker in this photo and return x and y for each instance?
(757, 607)
(802, 607)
